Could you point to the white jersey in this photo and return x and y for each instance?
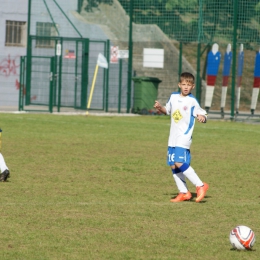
(183, 112)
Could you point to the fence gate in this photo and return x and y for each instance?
(54, 74)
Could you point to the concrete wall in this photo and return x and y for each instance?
(17, 10)
(14, 10)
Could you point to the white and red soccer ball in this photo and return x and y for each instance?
(242, 238)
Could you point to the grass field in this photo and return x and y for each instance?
(99, 188)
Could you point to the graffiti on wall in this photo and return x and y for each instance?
(10, 66)
(18, 86)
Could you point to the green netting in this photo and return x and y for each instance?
(188, 22)
(202, 21)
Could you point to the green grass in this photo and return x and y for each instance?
(99, 188)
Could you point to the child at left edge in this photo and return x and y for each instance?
(5, 174)
(183, 109)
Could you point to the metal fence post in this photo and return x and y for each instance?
(52, 75)
(130, 59)
(200, 36)
(106, 74)
(120, 85)
(59, 78)
(233, 90)
(180, 60)
(21, 89)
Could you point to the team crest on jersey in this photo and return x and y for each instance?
(177, 116)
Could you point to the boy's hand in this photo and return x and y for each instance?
(157, 105)
(201, 118)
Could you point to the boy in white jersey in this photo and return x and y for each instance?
(184, 109)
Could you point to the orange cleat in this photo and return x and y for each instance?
(182, 197)
(201, 192)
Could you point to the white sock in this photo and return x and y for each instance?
(193, 177)
(3, 166)
(180, 182)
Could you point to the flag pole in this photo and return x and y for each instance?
(101, 62)
(92, 89)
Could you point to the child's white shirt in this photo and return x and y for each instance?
(183, 112)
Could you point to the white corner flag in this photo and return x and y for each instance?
(101, 62)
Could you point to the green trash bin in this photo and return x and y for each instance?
(145, 93)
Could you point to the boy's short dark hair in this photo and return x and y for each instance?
(187, 77)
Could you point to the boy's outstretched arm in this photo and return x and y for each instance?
(159, 107)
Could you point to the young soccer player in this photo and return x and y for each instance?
(184, 109)
(4, 169)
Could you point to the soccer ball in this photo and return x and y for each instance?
(242, 238)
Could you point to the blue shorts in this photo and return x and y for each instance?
(178, 154)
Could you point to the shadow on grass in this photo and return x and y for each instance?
(246, 250)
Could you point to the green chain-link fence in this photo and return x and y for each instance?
(62, 52)
(185, 30)
(195, 25)
(202, 21)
